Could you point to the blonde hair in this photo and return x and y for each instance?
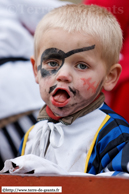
(92, 19)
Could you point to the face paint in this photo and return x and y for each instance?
(73, 91)
(52, 88)
(79, 105)
(44, 73)
(83, 101)
(54, 53)
(49, 54)
(90, 85)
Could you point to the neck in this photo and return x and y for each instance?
(51, 114)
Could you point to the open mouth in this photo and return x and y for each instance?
(60, 97)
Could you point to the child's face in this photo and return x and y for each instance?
(69, 81)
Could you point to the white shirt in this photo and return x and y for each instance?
(69, 144)
(67, 150)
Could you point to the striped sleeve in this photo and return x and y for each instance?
(112, 146)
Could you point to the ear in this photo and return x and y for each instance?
(112, 77)
(35, 70)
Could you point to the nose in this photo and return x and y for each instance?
(64, 74)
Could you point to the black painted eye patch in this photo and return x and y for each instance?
(54, 53)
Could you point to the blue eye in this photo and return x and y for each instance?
(82, 66)
(53, 64)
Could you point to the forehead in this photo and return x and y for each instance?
(65, 41)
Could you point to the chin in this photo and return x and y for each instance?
(61, 112)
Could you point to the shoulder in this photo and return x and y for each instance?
(112, 137)
(33, 130)
(106, 109)
(116, 128)
(114, 117)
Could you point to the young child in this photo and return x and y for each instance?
(76, 56)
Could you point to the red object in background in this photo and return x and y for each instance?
(117, 99)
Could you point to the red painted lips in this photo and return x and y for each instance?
(60, 97)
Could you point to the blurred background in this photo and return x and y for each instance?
(74, 1)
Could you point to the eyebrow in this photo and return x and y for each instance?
(79, 50)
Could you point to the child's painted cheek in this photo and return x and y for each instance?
(44, 73)
(52, 88)
(91, 85)
(47, 74)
